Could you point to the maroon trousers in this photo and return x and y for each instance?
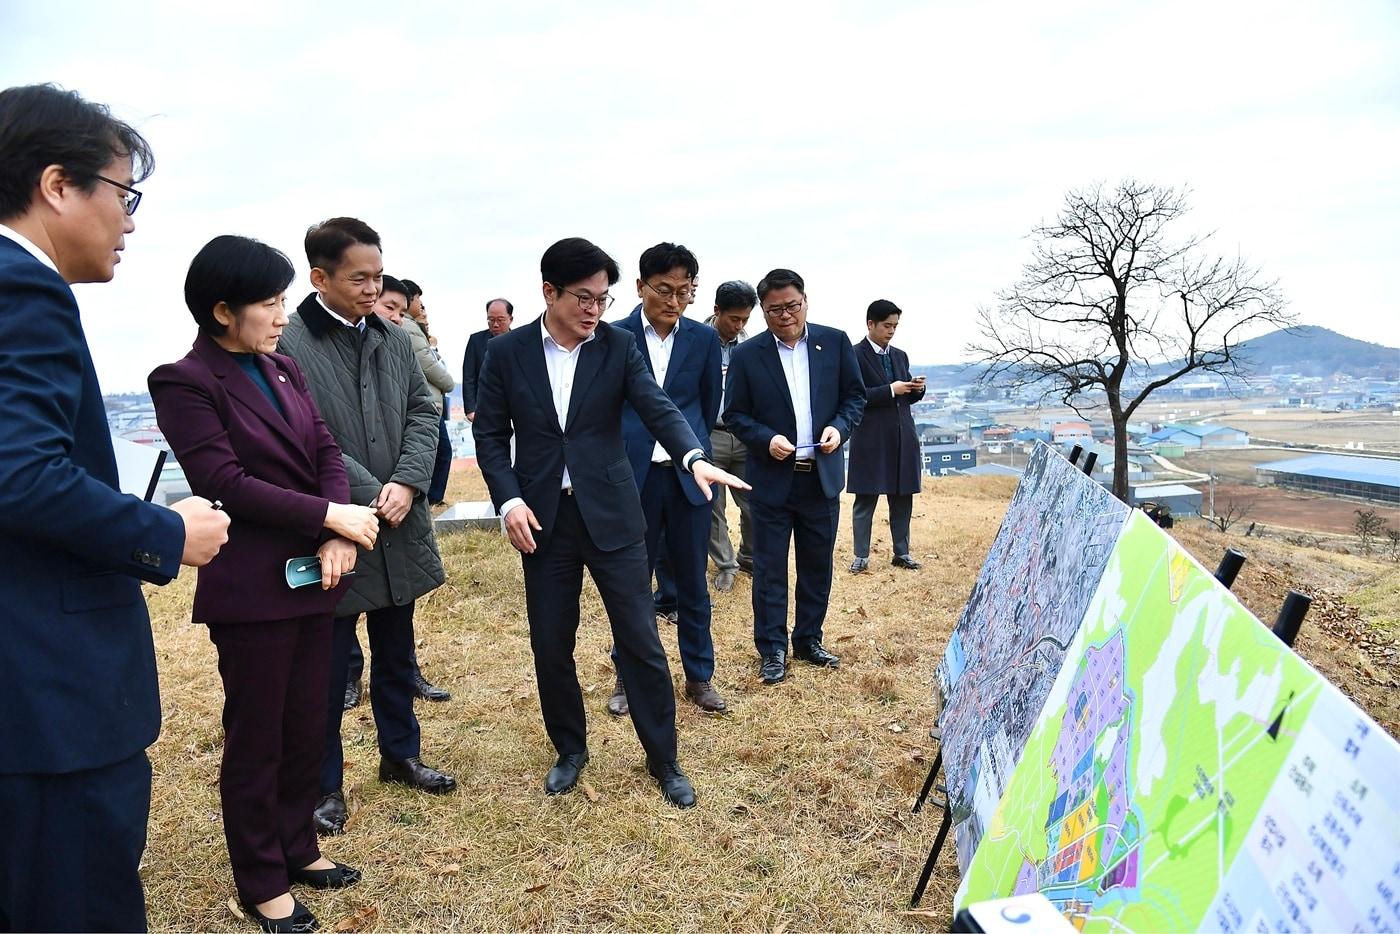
(274, 676)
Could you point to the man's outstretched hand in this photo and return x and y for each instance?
(706, 473)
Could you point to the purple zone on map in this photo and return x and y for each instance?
(1081, 838)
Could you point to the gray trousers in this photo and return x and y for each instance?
(730, 455)
(863, 517)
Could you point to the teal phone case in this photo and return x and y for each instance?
(302, 572)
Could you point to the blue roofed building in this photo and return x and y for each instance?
(1195, 437)
(1374, 479)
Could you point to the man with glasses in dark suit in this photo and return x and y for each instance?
(569, 502)
(793, 396)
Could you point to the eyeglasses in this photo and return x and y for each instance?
(586, 302)
(130, 200)
(684, 294)
(779, 311)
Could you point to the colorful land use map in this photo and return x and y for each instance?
(1190, 772)
(1009, 643)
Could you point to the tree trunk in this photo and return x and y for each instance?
(1120, 455)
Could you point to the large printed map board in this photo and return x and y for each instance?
(1008, 645)
(1190, 772)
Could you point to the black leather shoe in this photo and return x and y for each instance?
(339, 876)
(330, 814)
(859, 565)
(300, 921)
(746, 565)
(413, 773)
(674, 785)
(617, 702)
(813, 654)
(564, 776)
(774, 668)
(428, 691)
(352, 694)
(905, 561)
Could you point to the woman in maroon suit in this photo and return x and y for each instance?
(242, 424)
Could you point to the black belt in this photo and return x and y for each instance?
(804, 466)
(663, 463)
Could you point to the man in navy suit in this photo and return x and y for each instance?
(683, 357)
(558, 385)
(794, 395)
(499, 314)
(76, 658)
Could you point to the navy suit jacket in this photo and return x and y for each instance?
(759, 406)
(274, 473)
(693, 383)
(514, 396)
(471, 368)
(77, 663)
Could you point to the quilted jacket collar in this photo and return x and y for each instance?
(320, 323)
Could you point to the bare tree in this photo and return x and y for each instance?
(1369, 527)
(1394, 536)
(1233, 511)
(1108, 303)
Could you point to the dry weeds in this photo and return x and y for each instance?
(805, 788)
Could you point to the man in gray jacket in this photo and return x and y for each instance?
(372, 395)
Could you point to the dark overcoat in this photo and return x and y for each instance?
(885, 454)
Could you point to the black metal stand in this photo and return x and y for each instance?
(944, 826)
(1089, 463)
(1229, 567)
(1290, 618)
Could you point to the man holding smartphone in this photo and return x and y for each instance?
(885, 455)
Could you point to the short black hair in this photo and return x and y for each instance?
(396, 285)
(238, 271)
(735, 295)
(780, 279)
(880, 309)
(510, 309)
(327, 241)
(411, 288)
(662, 258)
(43, 125)
(574, 259)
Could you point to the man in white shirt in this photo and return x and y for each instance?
(569, 502)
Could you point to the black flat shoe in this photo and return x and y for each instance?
(905, 561)
(429, 691)
(564, 776)
(413, 773)
(300, 921)
(339, 876)
(352, 694)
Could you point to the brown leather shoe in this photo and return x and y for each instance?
(617, 703)
(704, 696)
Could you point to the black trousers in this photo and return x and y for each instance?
(863, 520)
(808, 520)
(70, 846)
(442, 464)
(274, 676)
(680, 530)
(553, 581)
(391, 688)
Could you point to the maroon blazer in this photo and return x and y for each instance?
(274, 475)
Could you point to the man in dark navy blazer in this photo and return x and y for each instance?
(683, 357)
(793, 396)
(569, 502)
(77, 663)
(499, 314)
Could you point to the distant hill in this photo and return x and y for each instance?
(1313, 351)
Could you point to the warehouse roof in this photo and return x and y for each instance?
(1382, 471)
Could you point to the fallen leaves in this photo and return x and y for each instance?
(362, 918)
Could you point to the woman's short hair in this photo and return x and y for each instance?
(238, 271)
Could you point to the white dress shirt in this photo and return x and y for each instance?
(659, 349)
(28, 245)
(884, 352)
(795, 368)
(357, 325)
(561, 364)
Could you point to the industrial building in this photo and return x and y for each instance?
(1374, 479)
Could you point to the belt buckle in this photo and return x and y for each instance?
(803, 466)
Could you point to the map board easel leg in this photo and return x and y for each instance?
(928, 782)
(943, 829)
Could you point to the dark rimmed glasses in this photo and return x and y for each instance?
(666, 293)
(130, 201)
(586, 302)
(791, 308)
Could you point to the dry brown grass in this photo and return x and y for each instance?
(805, 788)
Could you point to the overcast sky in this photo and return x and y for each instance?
(883, 150)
